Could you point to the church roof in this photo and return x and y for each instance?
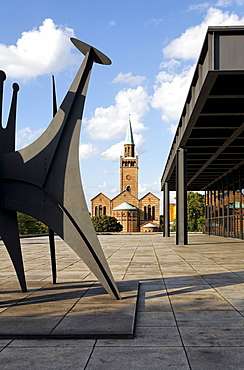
(129, 135)
(99, 195)
(149, 225)
(124, 207)
(151, 195)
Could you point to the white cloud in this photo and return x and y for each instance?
(87, 150)
(200, 7)
(128, 78)
(170, 65)
(111, 122)
(46, 49)
(155, 21)
(172, 128)
(224, 3)
(153, 187)
(188, 45)
(170, 93)
(116, 150)
(112, 23)
(26, 136)
(103, 185)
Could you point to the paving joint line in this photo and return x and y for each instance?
(183, 346)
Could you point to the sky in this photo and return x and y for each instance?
(153, 45)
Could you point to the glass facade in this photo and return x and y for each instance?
(225, 205)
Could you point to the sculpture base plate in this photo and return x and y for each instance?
(68, 310)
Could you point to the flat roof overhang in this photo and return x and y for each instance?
(211, 127)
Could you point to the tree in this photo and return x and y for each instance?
(106, 223)
(195, 210)
(29, 225)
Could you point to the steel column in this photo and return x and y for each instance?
(166, 210)
(181, 198)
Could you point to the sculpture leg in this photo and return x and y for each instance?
(10, 235)
(53, 255)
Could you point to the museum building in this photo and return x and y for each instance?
(134, 214)
(207, 152)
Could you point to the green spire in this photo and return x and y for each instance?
(129, 135)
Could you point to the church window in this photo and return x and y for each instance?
(153, 212)
(104, 210)
(128, 188)
(96, 211)
(149, 212)
(100, 210)
(129, 149)
(145, 213)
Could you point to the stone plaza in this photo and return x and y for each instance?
(182, 306)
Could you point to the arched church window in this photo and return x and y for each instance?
(149, 212)
(104, 210)
(153, 212)
(128, 188)
(145, 213)
(100, 210)
(96, 211)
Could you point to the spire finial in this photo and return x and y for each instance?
(129, 135)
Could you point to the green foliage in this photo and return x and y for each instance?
(29, 225)
(173, 225)
(195, 212)
(195, 209)
(106, 223)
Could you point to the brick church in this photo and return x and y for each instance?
(132, 213)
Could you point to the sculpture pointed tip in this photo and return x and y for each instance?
(84, 48)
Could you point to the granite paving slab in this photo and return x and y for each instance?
(218, 358)
(51, 358)
(212, 336)
(137, 358)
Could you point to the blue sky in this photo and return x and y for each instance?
(153, 44)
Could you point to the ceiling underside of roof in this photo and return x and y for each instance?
(215, 138)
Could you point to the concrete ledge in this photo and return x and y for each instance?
(71, 310)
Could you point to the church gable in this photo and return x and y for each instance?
(101, 205)
(125, 196)
(149, 195)
(149, 208)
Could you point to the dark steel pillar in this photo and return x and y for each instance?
(181, 198)
(240, 195)
(228, 206)
(166, 210)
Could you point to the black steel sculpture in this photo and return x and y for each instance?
(43, 179)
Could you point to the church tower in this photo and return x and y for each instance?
(129, 165)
